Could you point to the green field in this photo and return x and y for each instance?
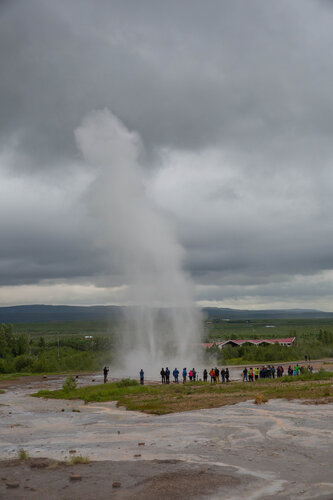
(74, 329)
(306, 328)
(61, 346)
(162, 399)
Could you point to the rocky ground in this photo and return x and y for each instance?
(278, 450)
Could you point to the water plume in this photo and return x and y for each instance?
(162, 325)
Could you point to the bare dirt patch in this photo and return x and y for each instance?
(119, 480)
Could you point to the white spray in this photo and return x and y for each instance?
(163, 326)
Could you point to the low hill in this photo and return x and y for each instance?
(45, 313)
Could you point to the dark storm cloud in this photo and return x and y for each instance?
(243, 76)
(251, 80)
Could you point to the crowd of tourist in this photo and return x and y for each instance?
(193, 376)
(223, 375)
(251, 374)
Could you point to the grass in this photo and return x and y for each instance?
(78, 459)
(22, 454)
(162, 399)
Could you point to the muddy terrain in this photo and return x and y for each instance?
(277, 450)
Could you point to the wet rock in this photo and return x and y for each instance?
(12, 485)
(116, 484)
(141, 444)
(75, 477)
(168, 461)
(72, 451)
(39, 463)
(137, 456)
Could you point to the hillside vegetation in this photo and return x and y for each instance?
(61, 346)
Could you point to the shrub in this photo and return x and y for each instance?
(22, 454)
(69, 384)
(23, 363)
(79, 459)
(260, 399)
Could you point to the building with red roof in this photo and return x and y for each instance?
(287, 342)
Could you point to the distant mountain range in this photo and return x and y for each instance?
(45, 313)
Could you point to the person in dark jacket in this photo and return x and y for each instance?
(105, 372)
(167, 375)
(227, 375)
(205, 374)
(162, 373)
(142, 377)
(223, 375)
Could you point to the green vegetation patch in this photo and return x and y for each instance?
(162, 399)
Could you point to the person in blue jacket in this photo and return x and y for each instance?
(184, 375)
(175, 374)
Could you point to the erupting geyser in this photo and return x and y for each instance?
(163, 324)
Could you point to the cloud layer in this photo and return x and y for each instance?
(231, 105)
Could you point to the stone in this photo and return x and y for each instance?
(39, 463)
(116, 484)
(141, 444)
(75, 477)
(72, 451)
(137, 456)
(13, 485)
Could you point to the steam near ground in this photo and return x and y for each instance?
(163, 326)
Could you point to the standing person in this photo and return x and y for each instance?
(217, 374)
(256, 373)
(223, 375)
(273, 371)
(251, 375)
(184, 375)
(190, 375)
(167, 375)
(290, 371)
(194, 375)
(175, 374)
(212, 376)
(105, 372)
(142, 377)
(227, 375)
(162, 372)
(245, 375)
(205, 374)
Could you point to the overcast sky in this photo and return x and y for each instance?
(232, 104)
